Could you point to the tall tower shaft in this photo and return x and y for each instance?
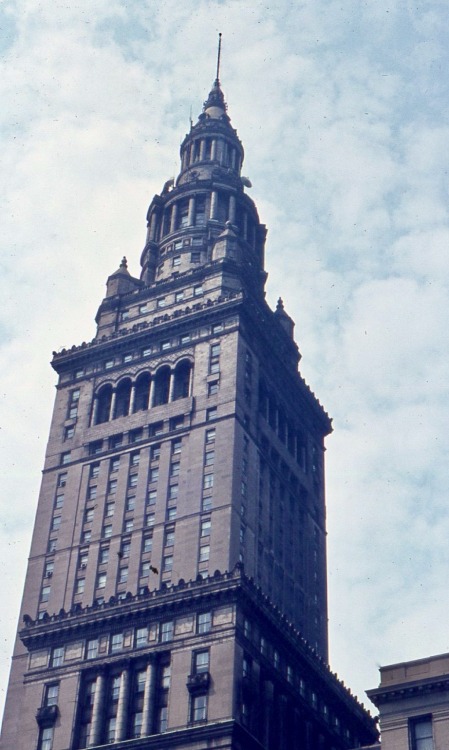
(184, 444)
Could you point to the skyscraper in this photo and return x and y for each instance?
(176, 588)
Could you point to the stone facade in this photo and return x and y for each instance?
(184, 443)
(413, 703)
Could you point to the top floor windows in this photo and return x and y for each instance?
(421, 735)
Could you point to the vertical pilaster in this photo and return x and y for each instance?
(97, 710)
(213, 204)
(191, 214)
(148, 700)
(122, 708)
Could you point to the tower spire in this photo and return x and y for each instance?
(217, 77)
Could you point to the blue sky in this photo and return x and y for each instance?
(343, 110)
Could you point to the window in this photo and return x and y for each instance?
(51, 546)
(143, 308)
(155, 452)
(115, 441)
(114, 465)
(141, 638)
(176, 446)
(104, 555)
(107, 531)
(51, 695)
(174, 469)
(123, 575)
(212, 388)
(156, 429)
(147, 544)
(195, 256)
(135, 436)
(135, 458)
(246, 666)
(57, 656)
(185, 339)
(49, 567)
(146, 352)
(92, 492)
(101, 581)
(167, 631)
(46, 738)
(95, 447)
(204, 553)
(55, 523)
(124, 315)
(211, 414)
(145, 569)
(88, 515)
(149, 519)
(205, 527)
(78, 374)
(200, 662)
(165, 345)
(217, 328)
(92, 648)
(154, 475)
(130, 503)
(179, 296)
(161, 302)
(199, 708)
(86, 536)
(62, 480)
(197, 290)
(110, 507)
(109, 364)
(116, 643)
(127, 357)
(132, 480)
(69, 432)
(204, 622)
(210, 435)
(176, 260)
(209, 458)
(171, 513)
(177, 423)
(112, 487)
(173, 492)
(128, 525)
(208, 481)
(167, 563)
(206, 504)
(65, 457)
(80, 586)
(169, 538)
(215, 350)
(152, 496)
(45, 593)
(421, 733)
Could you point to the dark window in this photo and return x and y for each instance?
(204, 622)
(421, 733)
(199, 708)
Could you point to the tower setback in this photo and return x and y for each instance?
(176, 588)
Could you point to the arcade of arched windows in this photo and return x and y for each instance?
(218, 150)
(275, 415)
(129, 396)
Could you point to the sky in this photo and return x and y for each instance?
(343, 110)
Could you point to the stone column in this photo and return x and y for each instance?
(97, 710)
(213, 204)
(153, 224)
(94, 411)
(174, 217)
(132, 399)
(245, 225)
(148, 700)
(232, 209)
(213, 151)
(171, 387)
(151, 395)
(202, 149)
(112, 407)
(191, 215)
(122, 708)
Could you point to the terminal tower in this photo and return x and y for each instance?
(175, 595)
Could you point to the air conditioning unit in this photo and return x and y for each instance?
(83, 566)
(49, 574)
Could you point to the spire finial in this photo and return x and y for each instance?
(217, 78)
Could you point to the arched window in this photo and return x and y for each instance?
(181, 386)
(141, 399)
(161, 386)
(104, 404)
(122, 399)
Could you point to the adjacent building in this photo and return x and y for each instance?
(413, 703)
(176, 587)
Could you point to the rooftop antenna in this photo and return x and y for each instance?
(217, 80)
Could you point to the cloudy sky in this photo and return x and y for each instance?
(343, 110)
